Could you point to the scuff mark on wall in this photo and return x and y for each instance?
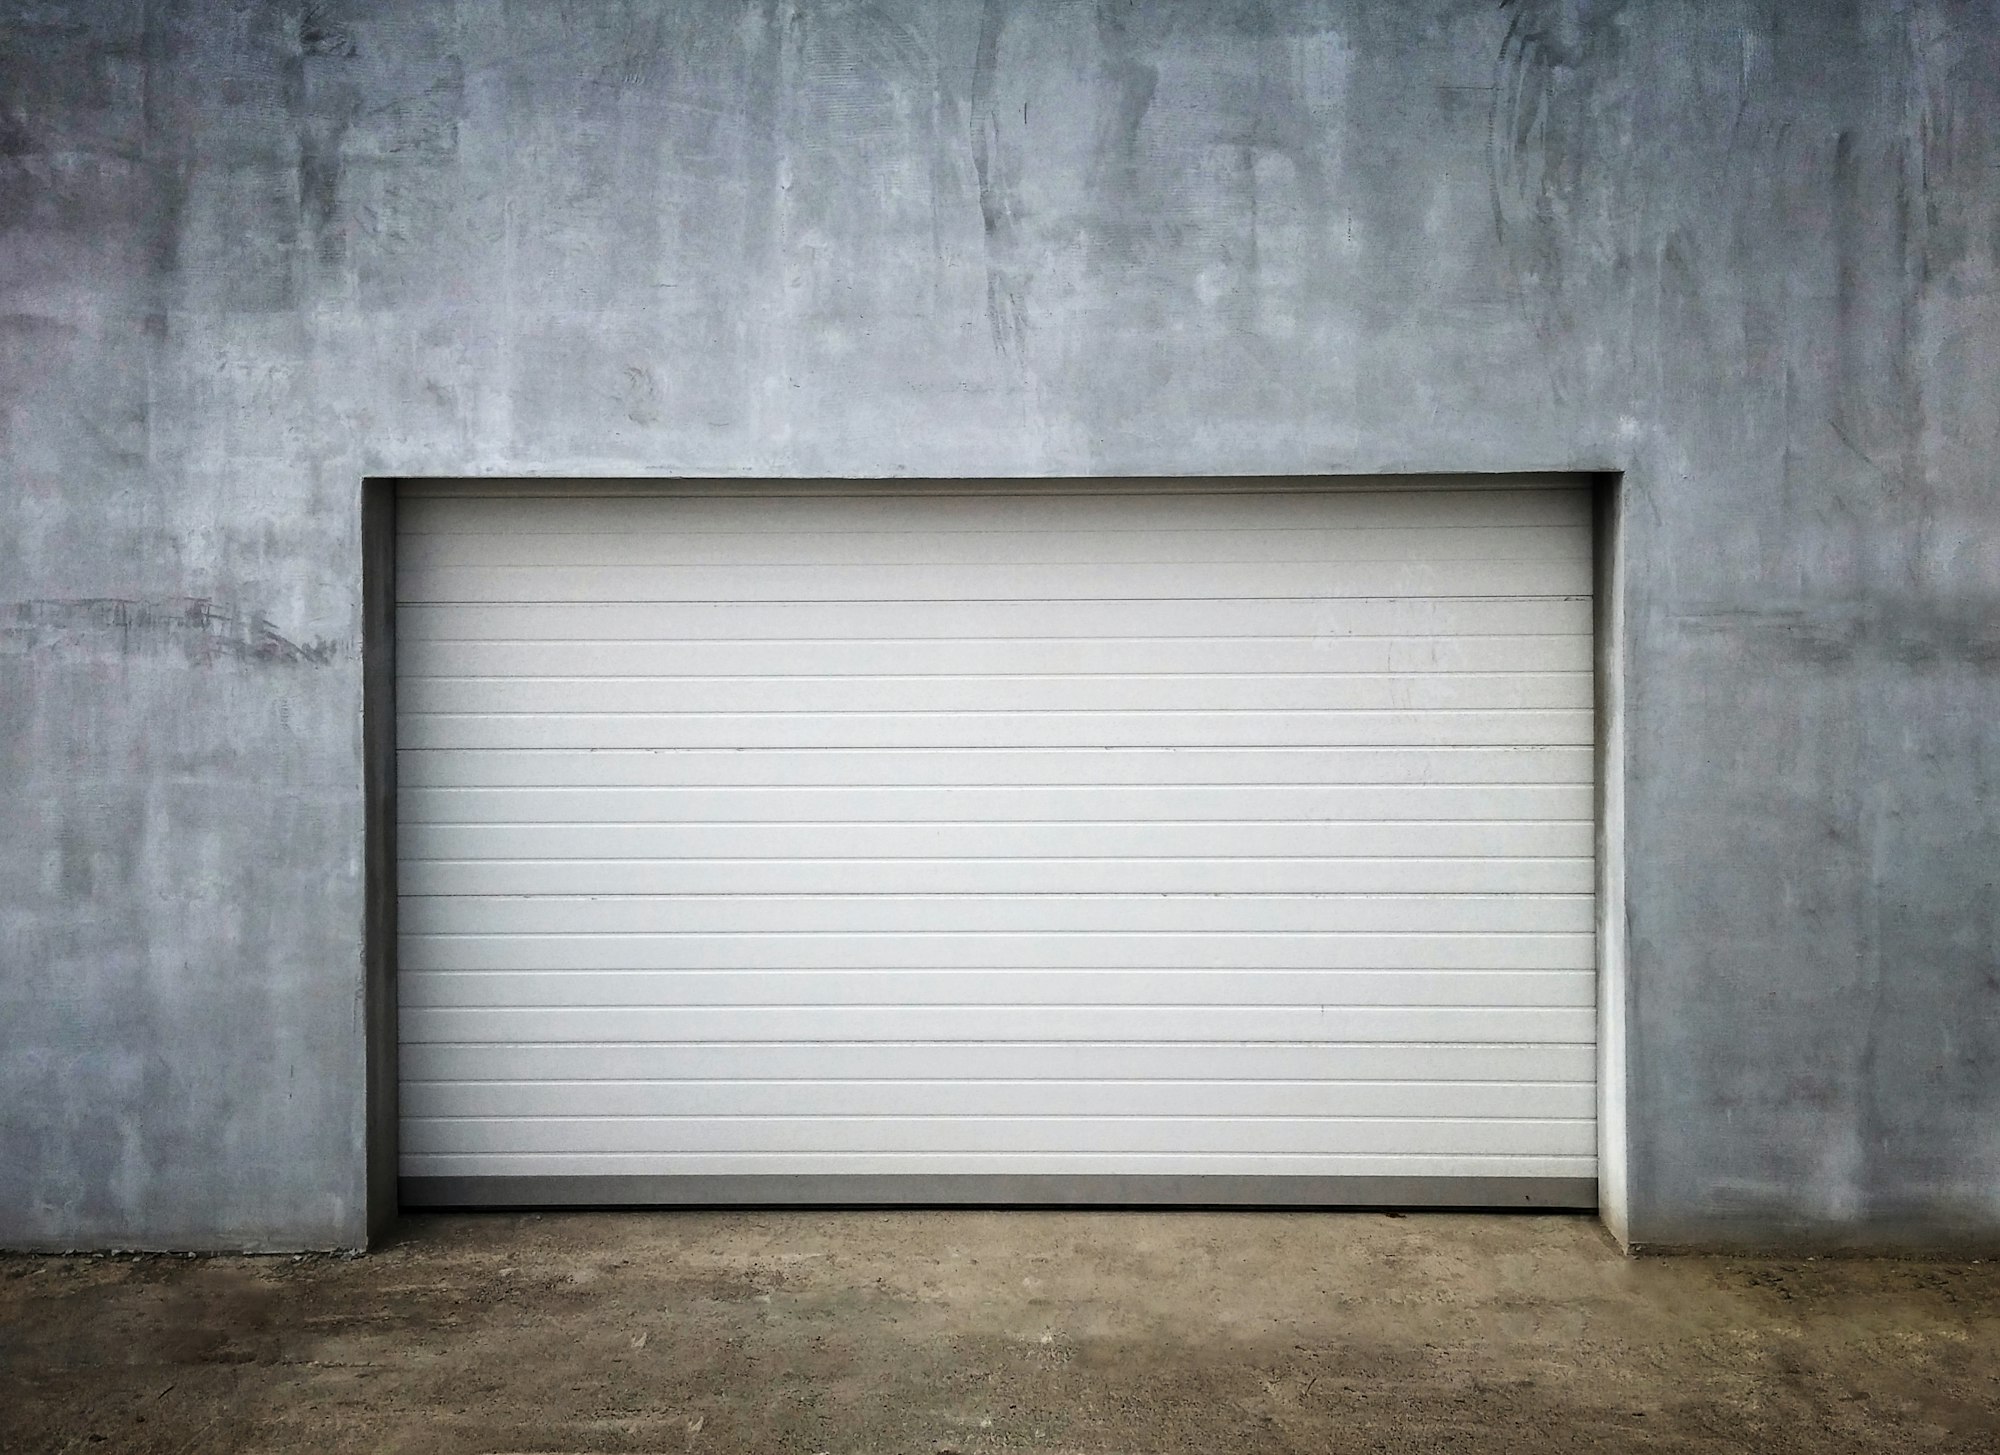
(1543, 44)
(194, 626)
(1130, 83)
(1909, 631)
(1006, 312)
(321, 32)
(1535, 148)
(332, 103)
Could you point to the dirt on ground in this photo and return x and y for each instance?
(973, 1332)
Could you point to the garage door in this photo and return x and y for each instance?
(1002, 842)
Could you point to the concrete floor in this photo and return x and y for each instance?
(973, 1332)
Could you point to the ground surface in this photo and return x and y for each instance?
(975, 1332)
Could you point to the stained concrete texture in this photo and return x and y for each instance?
(982, 1331)
(1745, 254)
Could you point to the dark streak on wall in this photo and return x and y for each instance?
(198, 630)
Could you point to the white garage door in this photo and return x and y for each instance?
(1105, 842)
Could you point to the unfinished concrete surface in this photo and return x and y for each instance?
(1741, 251)
(976, 1331)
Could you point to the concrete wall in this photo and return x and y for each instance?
(1743, 252)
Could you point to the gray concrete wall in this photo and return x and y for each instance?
(1743, 252)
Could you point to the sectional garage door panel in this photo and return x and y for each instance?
(784, 839)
